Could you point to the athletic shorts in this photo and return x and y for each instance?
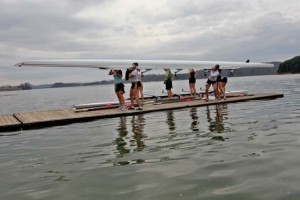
(169, 85)
(209, 82)
(222, 79)
(119, 87)
(134, 85)
(139, 84)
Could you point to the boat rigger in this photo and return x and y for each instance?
(156, 99)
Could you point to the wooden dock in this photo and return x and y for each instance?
(40, 119)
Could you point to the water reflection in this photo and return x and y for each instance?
(195, 122)
(120, 140)
(126, 143)
(138, 123)
(216, 124)
(171, 121)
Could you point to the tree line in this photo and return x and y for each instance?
(23, 86)
(290, 66)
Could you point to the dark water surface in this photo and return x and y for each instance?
(247, 150)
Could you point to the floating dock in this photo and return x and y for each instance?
(41, 119)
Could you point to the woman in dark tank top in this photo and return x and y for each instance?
(192, 81)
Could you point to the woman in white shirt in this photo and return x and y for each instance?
(212, 80)
(134, 87)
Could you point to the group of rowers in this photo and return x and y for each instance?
(134, 74)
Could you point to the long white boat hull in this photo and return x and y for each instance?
(145, 64)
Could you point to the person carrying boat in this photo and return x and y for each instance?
(192, 81)
(140, 84)
(168, 82)
(221, 81)
(134, 87)
(119, 87)
(212, 80)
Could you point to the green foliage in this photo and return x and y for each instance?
(290, 66)
(25, 86)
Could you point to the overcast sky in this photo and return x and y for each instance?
(227, 30)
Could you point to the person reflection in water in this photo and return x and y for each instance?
(120, 142)
(216, 124)
(138, 123)
(170, 121)
(195, 122)
(124, 144)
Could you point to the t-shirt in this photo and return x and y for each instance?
(139, 76)
(117, 78)
(168, 75)
(213, 75)
(135, 77)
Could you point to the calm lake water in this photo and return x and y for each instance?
(247, 150)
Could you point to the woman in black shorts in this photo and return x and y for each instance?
(192, 81)
(119, 87)
(168, 82)
(212, 80)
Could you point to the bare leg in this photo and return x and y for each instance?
(194, 89)
(170, 94)
(223, 86)
(206, 91)
(136, 96)
(131, 97)
(141, 93)
(120, 98)
(191, 89)
(216, 92)
(220, 89)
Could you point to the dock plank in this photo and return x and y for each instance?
(8, 120)
(64, 116)
(9, 123)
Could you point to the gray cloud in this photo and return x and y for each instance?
(230, 30)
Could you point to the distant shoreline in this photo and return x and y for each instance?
(146, 78)
(7, 90)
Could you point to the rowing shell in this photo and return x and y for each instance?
(145, 64)
(113, 104)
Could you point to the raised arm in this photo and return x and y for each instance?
(111, 72)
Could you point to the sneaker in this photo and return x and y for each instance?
(124, 108)
(139, 108)
(131, 108)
